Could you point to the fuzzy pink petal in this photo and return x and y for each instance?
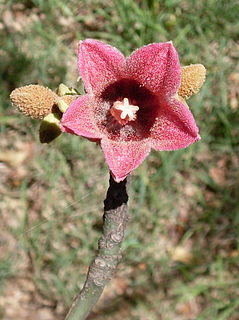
(156, 66)
(124, 157)
(174, 128)
(99, 64)
(79, 118)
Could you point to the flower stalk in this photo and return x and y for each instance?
(103, 266)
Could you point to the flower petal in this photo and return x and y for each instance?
(99, 64)
(79, 118)
(124, 157)
(157, 67)
(174, 128)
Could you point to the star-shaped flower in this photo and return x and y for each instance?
(131, 104)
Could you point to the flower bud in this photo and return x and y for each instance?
(50, 128)
(64, 102)
(193, 77)
(64, 90)
(34, 100)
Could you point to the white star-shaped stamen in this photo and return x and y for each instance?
(123, 111)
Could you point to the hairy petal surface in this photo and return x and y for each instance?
(156, 66)
(99, 64)
(174, 128)
(79, 118)
(124, 157)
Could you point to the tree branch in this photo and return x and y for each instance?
(103, 267)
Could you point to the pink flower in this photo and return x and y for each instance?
(131, 104)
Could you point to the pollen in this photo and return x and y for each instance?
(123, 111)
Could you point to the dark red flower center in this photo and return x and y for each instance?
(126, 110)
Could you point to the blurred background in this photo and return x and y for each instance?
(181, 253)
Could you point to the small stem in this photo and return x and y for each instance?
(103, 267)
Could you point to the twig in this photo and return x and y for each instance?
(103, 267)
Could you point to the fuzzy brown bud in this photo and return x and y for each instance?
(34, 100)
(193, 77)
(69, 98)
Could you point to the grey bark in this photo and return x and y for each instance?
(103, 266)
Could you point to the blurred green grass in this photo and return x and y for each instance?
(181, 249)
